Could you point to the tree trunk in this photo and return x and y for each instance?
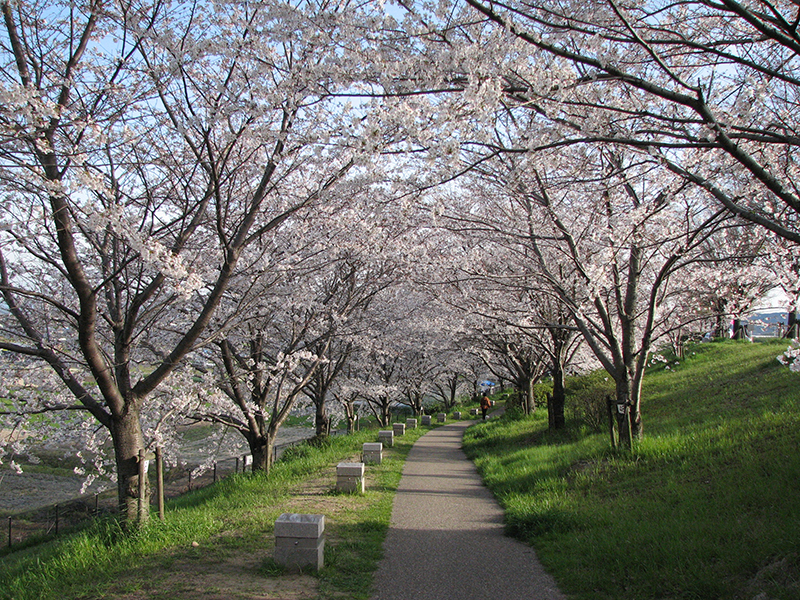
(350, 413)
(719, 326)
(738, 330)
(629, 394)
(322, 421)
(386, 415)
(530, 402)
(126, 433)
(622, 413)
(261, 450)
(558, 400)
(793, 325)
(629, 420)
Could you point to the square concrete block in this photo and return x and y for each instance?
(441, 417)
(426, 419)
(457, 415)
(350, 484)
(294, 525)
(473, 411)
(386, 437)
(344, 469)
(300, 541)
(294, 557)
(411, 423)
(350, 477)
(399, 429)
(372, 453)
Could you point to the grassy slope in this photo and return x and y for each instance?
(707, 507)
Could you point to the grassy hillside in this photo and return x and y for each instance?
(707, 507)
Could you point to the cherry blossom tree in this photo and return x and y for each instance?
(708, 87)
(356, 280)
(452, 377)
(143, 150)
(733, 277)
(605, 232)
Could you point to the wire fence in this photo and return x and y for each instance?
(36, 524)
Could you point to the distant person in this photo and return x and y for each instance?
(486, 404)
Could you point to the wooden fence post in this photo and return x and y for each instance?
(609, 406)
(160, 481)
(628, 426)
(143, 506)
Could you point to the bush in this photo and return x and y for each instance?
(586, 398)
(513, 397)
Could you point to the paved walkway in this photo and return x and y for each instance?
(446, 537)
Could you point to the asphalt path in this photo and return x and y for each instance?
(446, 537)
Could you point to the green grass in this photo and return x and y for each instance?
(234, 516)
(706, 507)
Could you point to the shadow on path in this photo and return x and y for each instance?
(446, 537)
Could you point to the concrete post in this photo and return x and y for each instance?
(372, 453)
(350, 477)
(300, 541)
(387, 437)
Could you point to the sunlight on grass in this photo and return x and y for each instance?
(235, 514)
(706, 505)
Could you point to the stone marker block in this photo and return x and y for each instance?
(372, 453)
(399, 429)
(411, 423)
(473, 412)
(350, 477)
(441, 417)
(457, 415)
(426, 419)
(387, 437)
(300, 541)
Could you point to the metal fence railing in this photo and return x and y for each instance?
(22, 526)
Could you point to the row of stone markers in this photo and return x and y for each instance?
(300, 539)
(350, 476)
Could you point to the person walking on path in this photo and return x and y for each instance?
(446, 536)
(486, 404)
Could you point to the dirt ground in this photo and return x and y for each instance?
(222, 571)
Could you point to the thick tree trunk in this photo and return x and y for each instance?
(350, 413)
(720, 326)
(630, 420)
(557, 401)
(126, 433)
(386, 415)
(322, 421)
(529, 400)
(623, 416)
(261, 451)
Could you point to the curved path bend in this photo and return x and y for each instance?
(446, 536)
